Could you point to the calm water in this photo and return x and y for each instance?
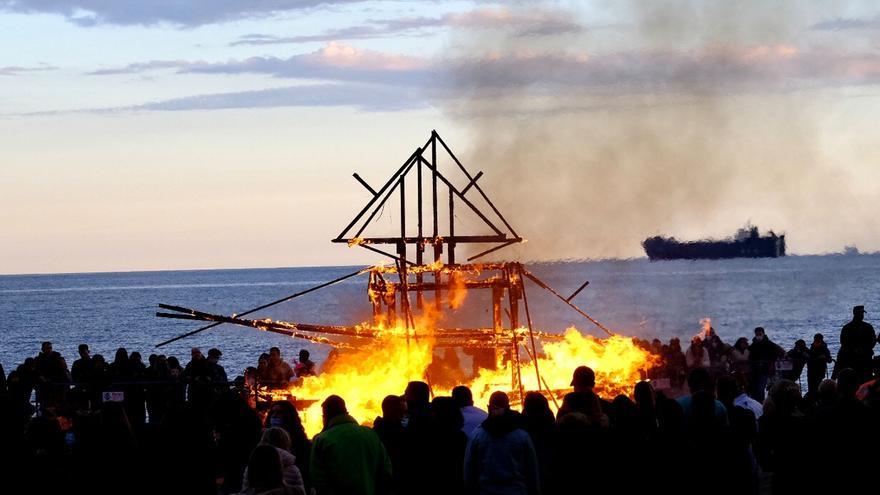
(791, 297)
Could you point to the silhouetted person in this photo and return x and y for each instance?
(676, 363)
(416, 466)
(159, 391)
(346, 457)
(197, 376)
(217, 372)
(782, 440)
(696, 356)
(290, 474)
(237, 430)
(742, 435)
(763, 354)
(739, 356)
(540, 424)
(52, 377)
(857, 340)
(700, 386)
(798, 357)
(278, 372)
(282, 414)
(817, 362)
(304, 366)
(81, 373)
(389, 427)
(265, 475)
(500, 456)
(583, 380)
(473, 416)
(135, 393)
(446, 447)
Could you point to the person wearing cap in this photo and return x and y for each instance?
(857, 340)
(583, 380)
(218, 374)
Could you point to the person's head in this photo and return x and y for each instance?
(153, 358)
(818, 339)
(463, 396)
(727, 389)
(121, 356)
(785, 396)
(46, 347)
(98, 359)
(697, 342)
(699, 380)
(332, 407)
(499, 403)
(858, 313)
(643, 393)
(274, 354)
(742, 344)
(283, 414)
(800, 345)
(583, 379)
(276, 437)
(214, 355)
(827, 392)
(417, 395)
(303, 355)
(173, 362)
(83, 350)
(393, 408)
(536, 407)
(195, 353)
(135, 357)
(760, 334)
(263, 360)
(264, 468)
(446, 414)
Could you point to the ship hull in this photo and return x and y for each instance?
(662, 248)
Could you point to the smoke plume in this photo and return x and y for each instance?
(674, 117)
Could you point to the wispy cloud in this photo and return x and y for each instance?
(535, 22)
(17, 70)
(335, 61)
(367, 97)
(149, 12)
(850, 23)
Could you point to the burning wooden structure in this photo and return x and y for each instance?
(425, 273)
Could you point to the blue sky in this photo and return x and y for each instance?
(136, 134)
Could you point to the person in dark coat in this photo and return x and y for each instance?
(389, 427)
(539, 423)
(798, 356)
(500, 456)
(782, 447)
(446, 447)
(763, 354)
(857, 340)
(817, 363)
(52, 377)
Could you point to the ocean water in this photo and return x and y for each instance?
(792, 297)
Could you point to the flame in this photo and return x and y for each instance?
(705, 329)
(356, 241)
(617, 361)
(400, 353)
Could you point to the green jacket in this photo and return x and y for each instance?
(349, 459)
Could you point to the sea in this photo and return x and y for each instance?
(792, 298)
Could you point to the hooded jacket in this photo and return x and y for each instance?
(500, 458)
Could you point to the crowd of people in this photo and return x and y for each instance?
(743, 426)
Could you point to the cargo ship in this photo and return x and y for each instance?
(747, 243)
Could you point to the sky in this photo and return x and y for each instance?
(159, 134)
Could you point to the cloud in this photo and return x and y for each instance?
(17, 70)
(335, 61)
(150, 12)
(536, 22)
(368, 97)
(843, 24)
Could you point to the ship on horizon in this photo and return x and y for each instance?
(747, 243)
